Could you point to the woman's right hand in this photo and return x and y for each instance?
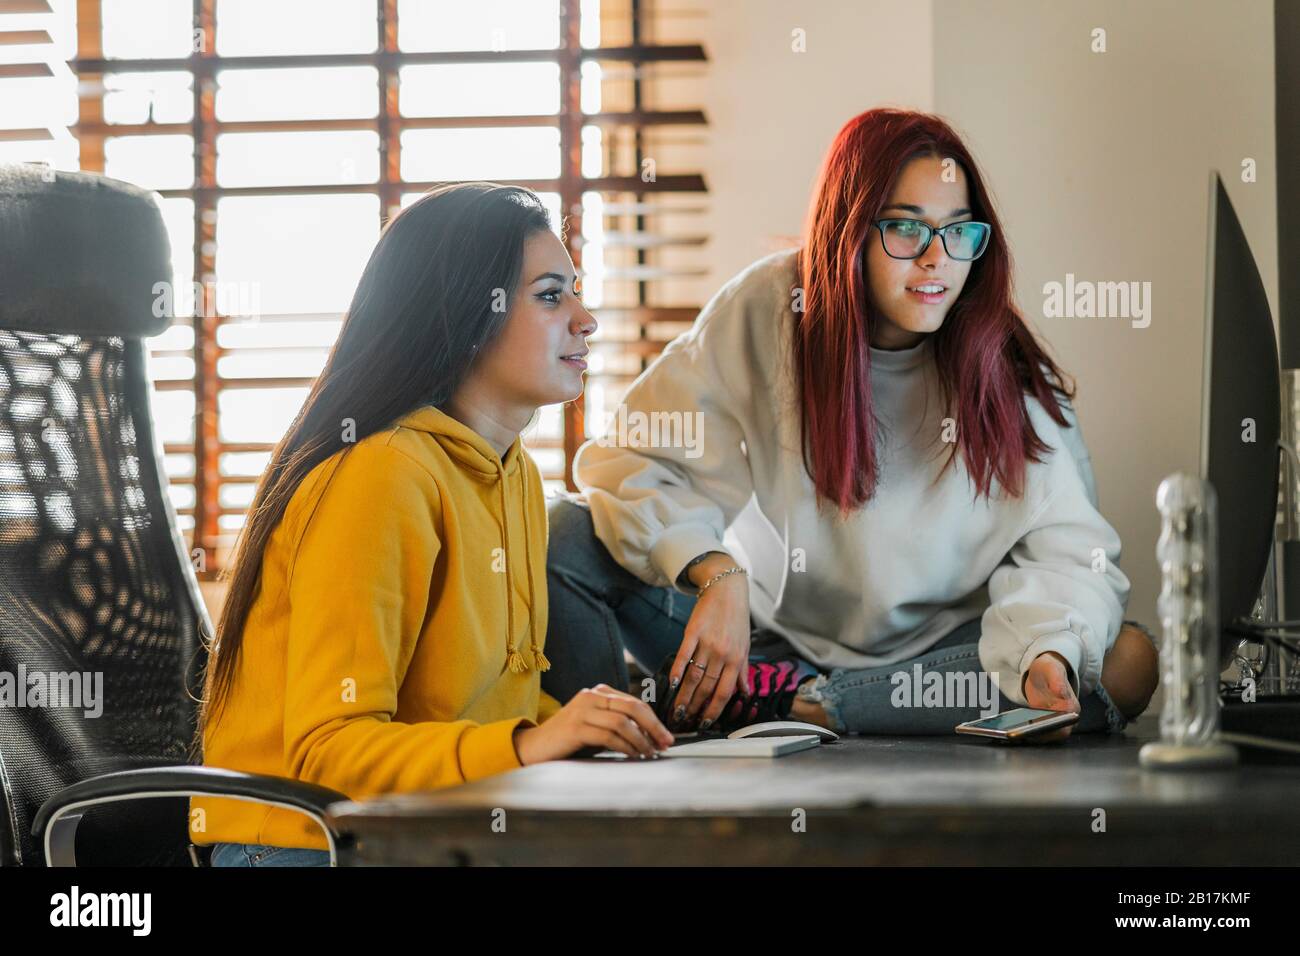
(1046, 686)
(597, 716)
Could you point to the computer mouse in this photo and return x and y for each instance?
(784, 728)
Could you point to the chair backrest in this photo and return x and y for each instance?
(101, 621)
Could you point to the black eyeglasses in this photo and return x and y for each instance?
(909, 238)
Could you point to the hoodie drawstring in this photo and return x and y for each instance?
(515, 660)
(539, 659)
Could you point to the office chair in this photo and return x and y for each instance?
(95, 578)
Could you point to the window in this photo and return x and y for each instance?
(281, 134)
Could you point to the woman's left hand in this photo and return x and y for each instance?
(1047, 687)
(713, 660)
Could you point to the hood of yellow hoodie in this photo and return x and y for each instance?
(479, 459)
(467, 446)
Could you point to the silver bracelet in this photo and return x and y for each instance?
(719, 576)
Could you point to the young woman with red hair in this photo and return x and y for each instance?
(888, 484)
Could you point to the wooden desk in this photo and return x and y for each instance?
(866, 800)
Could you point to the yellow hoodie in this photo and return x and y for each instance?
(396, 634)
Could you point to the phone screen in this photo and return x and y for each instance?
(1011, 719)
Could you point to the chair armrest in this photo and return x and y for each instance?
(58, 817)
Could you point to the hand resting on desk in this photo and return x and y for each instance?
(599, 717)
(1047, 687)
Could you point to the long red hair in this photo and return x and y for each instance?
(984, 353)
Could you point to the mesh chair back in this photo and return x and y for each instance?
(100, 616)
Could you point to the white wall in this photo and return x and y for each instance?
(1100, 165)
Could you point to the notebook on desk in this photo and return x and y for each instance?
(727, 747)
(744, 746)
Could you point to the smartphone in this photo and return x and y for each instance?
(1012, 725)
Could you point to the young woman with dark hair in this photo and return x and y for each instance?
(889, 480)
(386, 617)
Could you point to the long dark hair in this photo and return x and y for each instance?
(986, 355)
(428, 302)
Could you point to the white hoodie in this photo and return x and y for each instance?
(902, 571)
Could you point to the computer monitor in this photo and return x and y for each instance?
(1241, 386)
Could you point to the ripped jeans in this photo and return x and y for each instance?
(870, 698)
(598, 609)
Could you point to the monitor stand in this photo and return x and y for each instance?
(1265, 724)
(1272, 671)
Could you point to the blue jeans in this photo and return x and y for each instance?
(598, 609)
(256, 854)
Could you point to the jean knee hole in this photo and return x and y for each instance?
(862, 682)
